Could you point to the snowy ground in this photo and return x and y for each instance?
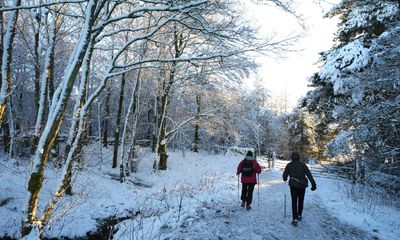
(196, 198)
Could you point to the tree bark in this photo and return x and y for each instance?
(162, 150)
(155, 124)
(46, 77)
(56, 114)
(162, 141)
(179, 46)
(118, 121)
(196, 126)
(1, 39)
(6, 134)
(82, 96)
(133, 110)
(36, 59)
(4, 124)
(106, 118)
(8, 41)
(11, 126)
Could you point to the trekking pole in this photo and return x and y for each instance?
(238, 189)
(258, 189)
(284, 214)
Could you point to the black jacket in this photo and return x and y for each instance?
(298, 170)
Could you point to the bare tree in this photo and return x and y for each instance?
(95, 12)
(8, 40)
(55, 117)
(46, 77)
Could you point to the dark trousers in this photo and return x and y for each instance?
(247, 192)
(297, 195)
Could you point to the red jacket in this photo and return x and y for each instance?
(252, 178)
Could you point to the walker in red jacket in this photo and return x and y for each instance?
(248, 182)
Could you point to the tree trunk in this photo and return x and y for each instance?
(56, 114)
(6, 134)
(11, 125)
(162, 141)
(179, 45)
(133, 110)
(36, 60)
(118, 121)
(162, 136)
(82, 96)
(99, 130)
(3, 124)
(155, 126)
(106, 117)
(5, 89)
(196, 126)
(47, 76)
(1, 40)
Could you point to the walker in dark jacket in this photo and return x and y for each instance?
(298, 183)
(248, 182)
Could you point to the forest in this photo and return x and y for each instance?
(123, 77)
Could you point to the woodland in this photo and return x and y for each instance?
(169, 75)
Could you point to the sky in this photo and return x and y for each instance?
(291, 73)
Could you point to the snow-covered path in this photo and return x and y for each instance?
(227, 220)
(197, 198)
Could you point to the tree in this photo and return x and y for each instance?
(7, 48)
(94, 22)
(199, 49)
(355, 94)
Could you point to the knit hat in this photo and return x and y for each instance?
(250, 156)
(295, 156)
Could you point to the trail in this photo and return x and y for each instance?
(227, 220)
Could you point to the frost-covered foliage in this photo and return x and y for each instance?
(252, 121)
(344, 61)
(357, 88)
(360, 17)
(342, 147)
(302, 128)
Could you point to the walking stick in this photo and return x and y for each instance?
(284, 206)
(238, 189)
(258, 189)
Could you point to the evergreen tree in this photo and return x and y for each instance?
(356, 90)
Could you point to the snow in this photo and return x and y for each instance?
(350, 58)
(365, 213)
(195, 198)
(361, 17)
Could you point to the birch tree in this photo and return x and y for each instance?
(55, 117)
(6, 60)
(46, 77)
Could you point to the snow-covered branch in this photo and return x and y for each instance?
(185, 122)
(140, 12)
(44, 4)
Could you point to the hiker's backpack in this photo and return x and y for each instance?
(247, 168)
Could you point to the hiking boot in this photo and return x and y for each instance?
(243, 203)
(299, 218)
(294, 222)
(248, 207)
